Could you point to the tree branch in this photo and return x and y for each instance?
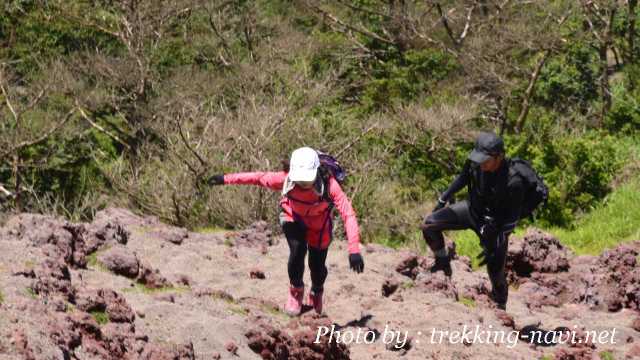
(100, 128)
(40, 139)
(524, 111)
(362, 31)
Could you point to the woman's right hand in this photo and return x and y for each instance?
(216, 180)
(356, 263)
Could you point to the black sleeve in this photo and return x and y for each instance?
(458, 183)
(513, 207)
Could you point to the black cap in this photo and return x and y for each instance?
(487, 144)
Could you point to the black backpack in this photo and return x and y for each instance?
(536, 192)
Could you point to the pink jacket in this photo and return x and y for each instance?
(306, 206)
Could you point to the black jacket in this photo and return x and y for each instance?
(499, 194)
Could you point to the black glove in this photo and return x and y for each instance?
(489, 233)
(356, 263)
(488, 240)
(440, 205)
(216, 180)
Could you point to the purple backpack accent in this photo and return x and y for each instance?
(333, 165)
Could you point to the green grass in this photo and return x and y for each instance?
(238, 310)
(467, 244)
(210, 230)
(142, 288)
(29, 264)
(101, 317)
(390, 242)
(616, 220)
(274, 311)
(1, 297)
(31, 293)
(468, 302)
(92, 259)
(606, 355)
(94, 263)
(408, 285)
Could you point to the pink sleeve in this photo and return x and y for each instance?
(271, 180)
(348, 215)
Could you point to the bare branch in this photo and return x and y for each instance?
(467, 25)
(6, 99)
(100, 128)
(356, 140)
(524, 111)
(361, 9)
(203, 162)
(40, 139)
(223, 41)
(362, 31)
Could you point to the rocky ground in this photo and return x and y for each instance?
(130, 287)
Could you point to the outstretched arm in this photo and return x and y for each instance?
(271, 180)
(347, 214)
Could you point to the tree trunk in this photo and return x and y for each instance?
(632, 29)
(631, 33)
(524, 110)
(604, 65)
(16, 176)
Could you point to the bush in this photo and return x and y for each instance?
(577, 168)
(624, 115)
(569, 79)
(407, 77)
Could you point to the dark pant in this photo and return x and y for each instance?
(295, 234)
(457, 217)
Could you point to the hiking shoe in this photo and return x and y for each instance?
(442, 263)
(315, 300)
(293, 306)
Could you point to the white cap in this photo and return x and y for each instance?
(304, 164)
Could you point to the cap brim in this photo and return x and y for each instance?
(302, 174)
(478, 156)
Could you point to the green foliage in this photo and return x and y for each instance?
(31, 293)
(144, 289)
(624, 116)
(316, 83)
(172, 54)
(606, 355)
(615, 220)
(408, 285)
(569, 80)
(101, 317)
(468, 244)
(577, 169)
(468, 302)
(405, 78)
(31, 31)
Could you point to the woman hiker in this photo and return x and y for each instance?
(309, 193)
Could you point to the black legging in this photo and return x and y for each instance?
(295, 234)
(457, 217)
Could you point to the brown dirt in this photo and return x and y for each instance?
(129, 287)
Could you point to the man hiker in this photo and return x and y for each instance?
(492, 209)
(310, 190)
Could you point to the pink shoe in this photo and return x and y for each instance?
(315, 300)
(294, 302)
